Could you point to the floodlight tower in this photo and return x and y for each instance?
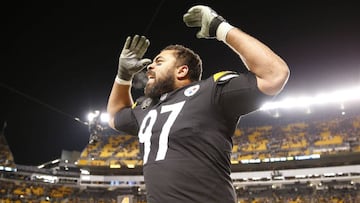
(97, 124)
(95, 127)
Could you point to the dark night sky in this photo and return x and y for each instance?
(60, 57)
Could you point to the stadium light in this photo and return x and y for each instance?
(93, 115)
(99, 116)
(104, 117)
(97, 124)
(339, 96)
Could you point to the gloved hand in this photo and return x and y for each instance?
(130, 60)
(208, 21)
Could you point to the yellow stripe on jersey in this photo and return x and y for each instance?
(134, 105)
(218, 75)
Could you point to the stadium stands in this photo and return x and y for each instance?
(294, 158)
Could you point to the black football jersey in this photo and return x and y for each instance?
(186, 137)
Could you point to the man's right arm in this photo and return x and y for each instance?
(120, 97)
(130, 62)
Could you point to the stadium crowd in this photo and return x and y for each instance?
(336, 135)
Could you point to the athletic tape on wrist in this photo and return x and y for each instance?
(222, 31)
(214, 25)
(122, 82)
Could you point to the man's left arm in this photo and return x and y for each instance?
(270, 69)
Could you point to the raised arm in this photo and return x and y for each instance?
(120, 97)
(271, 70)
(130, 62)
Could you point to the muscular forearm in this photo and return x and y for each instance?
(270, 69)
(120, 97)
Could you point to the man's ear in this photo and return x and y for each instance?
(182, 71)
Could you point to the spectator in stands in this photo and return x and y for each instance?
(185, 124)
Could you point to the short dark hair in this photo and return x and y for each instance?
(190, 58)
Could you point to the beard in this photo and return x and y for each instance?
(160, 86)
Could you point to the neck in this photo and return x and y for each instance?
(182, 83)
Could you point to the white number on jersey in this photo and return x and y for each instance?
(145, 131)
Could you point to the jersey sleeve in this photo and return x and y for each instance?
(125, 121)
(237, 93)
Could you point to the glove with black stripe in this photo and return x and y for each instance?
(211, 24)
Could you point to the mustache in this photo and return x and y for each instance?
(150, 73)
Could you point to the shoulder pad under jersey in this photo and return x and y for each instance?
(224, 76)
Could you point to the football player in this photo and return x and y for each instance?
(184, 123)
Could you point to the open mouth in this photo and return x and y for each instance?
(150, 75)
